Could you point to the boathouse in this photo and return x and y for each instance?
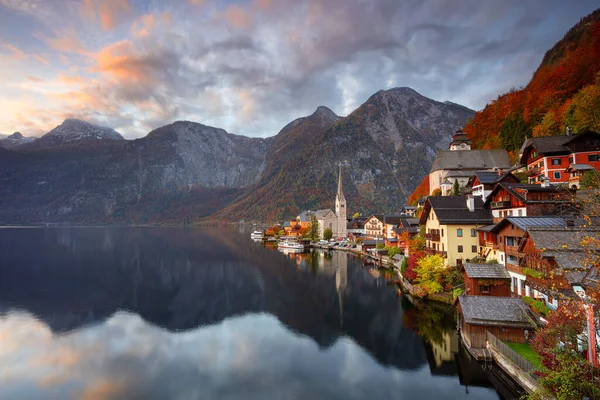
(507, 318)
(486, 280)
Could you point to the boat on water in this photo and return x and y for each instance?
(288, 244)
(256, 235)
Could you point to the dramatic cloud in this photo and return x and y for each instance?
(252, 66)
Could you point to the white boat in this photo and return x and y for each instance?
(256, 235)
(288, 244)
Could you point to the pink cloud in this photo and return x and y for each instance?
(237, 17)
(16, 52)
(110, 12)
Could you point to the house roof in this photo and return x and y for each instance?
(580, 167)
(486, 228)
(470, 159)
(551, 144)
(392, 219)
(499, 311)
(521, 190)
(527, 222)
(486, 271)
(560, 238)
(378, 216)
(398, 257)
(452, 210)
(322, 213)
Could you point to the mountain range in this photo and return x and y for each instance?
(186, 171)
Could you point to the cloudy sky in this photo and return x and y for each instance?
(251, 67)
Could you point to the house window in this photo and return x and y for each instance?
(459, 232)
(510, 212)
(593, 157)
(484, 288)
(522, 286)
(460, 248)
(520, 213)
(442, 233)
(570, 159)
(556, 175)
(442, 246)
(542, 164)
(556, 161)
(514, 284)
(534, 155)
(501, 257)
(474, 248)
(473, 233)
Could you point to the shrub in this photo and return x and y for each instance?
(538, 306)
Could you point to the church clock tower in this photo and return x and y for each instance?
(340, 209)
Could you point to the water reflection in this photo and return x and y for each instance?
(157, 313)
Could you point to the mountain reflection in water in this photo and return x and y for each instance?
(179, 313)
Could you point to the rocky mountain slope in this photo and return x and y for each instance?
(187, 171)
(74, 130)
(386, 146)
(15, 140)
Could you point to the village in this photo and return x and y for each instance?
(505, 244)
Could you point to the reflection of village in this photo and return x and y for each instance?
(435, 324)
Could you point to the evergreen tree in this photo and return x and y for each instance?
(513, 132)
(456, 188)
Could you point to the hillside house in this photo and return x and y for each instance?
(576, 173)
(524, 199)
(481, 183)
(547, 158)
(556, 264)
(507, 318)
(459, 162)
(509, 233)
(451, 226)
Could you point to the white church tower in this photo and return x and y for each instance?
(340, 210)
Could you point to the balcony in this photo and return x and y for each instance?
(514, 268)
(534, 171)
(433, 251)
(513, 251)
(491, 244)
(500, 204)
(432, 236)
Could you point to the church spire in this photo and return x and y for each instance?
(340, 193)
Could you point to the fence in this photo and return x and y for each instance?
(512, 355)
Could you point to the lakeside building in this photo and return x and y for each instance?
(486, 280)
(451, 225)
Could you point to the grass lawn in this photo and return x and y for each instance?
(525, 351)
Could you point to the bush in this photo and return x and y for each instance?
(380, 246)
(403, 266)
(538, 306)
(327, 234)
(392, 251)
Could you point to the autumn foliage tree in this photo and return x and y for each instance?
(568, 375)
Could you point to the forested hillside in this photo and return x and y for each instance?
(564, 91)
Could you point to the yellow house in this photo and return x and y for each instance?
(451, 224)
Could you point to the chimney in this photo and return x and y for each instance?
(569, 131)
(471, 203)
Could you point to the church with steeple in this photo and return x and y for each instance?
(340, 210)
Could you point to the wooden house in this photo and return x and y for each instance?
(486, 280)
(523, 199)
(508, 234)
(548, 157)
(556, 263)
(507, 318)
(482, 183)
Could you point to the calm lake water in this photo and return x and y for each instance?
(156, 313)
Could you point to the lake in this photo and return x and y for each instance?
(156, 313)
